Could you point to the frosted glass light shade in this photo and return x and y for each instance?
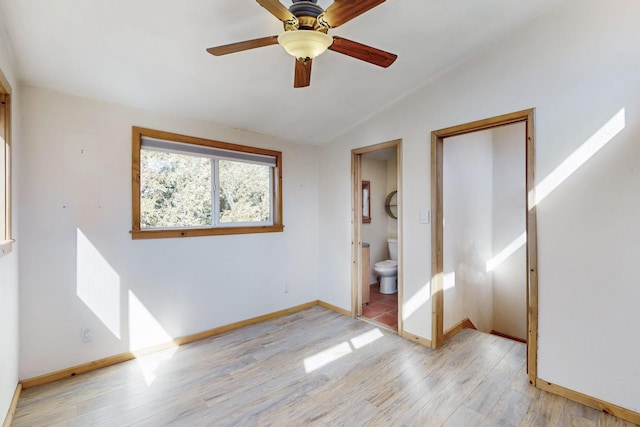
(305, 44)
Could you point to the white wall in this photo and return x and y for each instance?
(467, 244)
(9, 263)
(81, 269)
(509, 267)
(577, 65)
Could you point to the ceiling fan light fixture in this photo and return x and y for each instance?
(305, 44)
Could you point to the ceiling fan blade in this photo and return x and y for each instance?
(278, 10)
(363, 52)
(302, 76)
(240, 46)
(342, 11)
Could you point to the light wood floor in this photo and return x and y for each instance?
(314, 367)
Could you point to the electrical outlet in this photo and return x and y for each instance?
(286, 288)
(85, 335)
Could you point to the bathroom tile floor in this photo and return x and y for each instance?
(382, 308)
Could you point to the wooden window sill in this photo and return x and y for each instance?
(194, 232)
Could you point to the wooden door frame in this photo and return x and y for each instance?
(356, 229)
(437, 232)
(6, 240)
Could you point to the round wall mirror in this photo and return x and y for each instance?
(391, 205)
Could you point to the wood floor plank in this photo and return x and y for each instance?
(489, 391)
(446, 400)
(314, 367)
(464, 416)
(510, 409)
(547, 410)
(430, 376)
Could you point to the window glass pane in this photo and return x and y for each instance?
(175, 190)
(187, 186)
(244, 192)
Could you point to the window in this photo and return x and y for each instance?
(6, 241)
(185, 186)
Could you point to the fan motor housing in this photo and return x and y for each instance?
(307, 12)
(305, 8)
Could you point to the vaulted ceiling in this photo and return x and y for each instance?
(151, 54)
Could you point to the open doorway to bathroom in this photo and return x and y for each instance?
(376, 278)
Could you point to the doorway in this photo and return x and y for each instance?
(377, 272)
(438, 234)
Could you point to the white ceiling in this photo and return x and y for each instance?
(151, 54)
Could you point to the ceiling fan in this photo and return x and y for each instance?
(305, 37)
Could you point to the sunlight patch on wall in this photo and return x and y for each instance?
(509, 250)
(449, 281)
(589, 148)
(97, 284)
(423, 296)
(144, 333)
(419, 299)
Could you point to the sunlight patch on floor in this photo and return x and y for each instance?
(327, 356)
(149, 364)
(336, 352)
(146, 333)
(366, 338)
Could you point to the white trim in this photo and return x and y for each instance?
(192, 149)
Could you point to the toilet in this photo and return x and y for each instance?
(387, 270)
